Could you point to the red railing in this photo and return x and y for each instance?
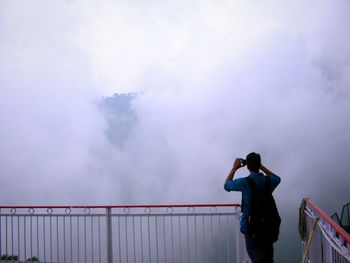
(123, 233)
(330, 221)
(119, 206)
(323, 240)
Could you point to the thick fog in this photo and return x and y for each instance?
(214, 80)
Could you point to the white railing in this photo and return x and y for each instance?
(138, 233)
(322, 239)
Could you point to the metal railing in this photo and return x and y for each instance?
(137, 233)
(323, 240)
(344, 220)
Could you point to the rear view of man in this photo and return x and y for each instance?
(258, 206)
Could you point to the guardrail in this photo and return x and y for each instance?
(323, 240)
(344, 220)
(136, 233)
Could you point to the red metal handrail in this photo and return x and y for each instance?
(329, 220)
(123, 206)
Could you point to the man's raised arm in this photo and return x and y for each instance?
(266, 171)
(235, 167)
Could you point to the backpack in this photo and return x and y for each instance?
(264, 220)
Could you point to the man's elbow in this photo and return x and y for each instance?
(278, 179)
(226, 188)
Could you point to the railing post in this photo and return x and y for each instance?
(0, 233)
(109, 235)
(238, 240)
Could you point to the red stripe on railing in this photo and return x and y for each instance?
(329, 220)
(125, 206)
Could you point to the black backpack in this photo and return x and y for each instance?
(264, 220)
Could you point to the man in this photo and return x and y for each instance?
(257, 253)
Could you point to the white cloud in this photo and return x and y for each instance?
(216, 79)
(124, 40)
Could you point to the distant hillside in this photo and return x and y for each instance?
(120, 116)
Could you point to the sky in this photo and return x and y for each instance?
(215, 80)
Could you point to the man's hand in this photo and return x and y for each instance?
(266, 171)
(235, 167)
(237, 164)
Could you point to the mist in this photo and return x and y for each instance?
(214, 80)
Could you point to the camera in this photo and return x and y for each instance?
(243, 162)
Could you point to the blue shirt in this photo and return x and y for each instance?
(241, 185)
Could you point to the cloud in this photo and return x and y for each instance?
(127, 42)
(215, 80)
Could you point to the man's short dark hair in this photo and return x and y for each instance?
(253, 162)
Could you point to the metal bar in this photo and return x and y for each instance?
(220, 254)
(157, 250)
(195, 239)
(64, 239)
(133, 237)
(37, 236)
(141, 233)
(164, 241)
(0, 232)
(180, 240)
(149, 241)
(122, 206)
(85, 242)
(99, 239)
(18, 238)
(44, 238)
(78, 238)
(126, 240)
(31, 236)
(211, 233)
(204, 240)
(228, 240)
(188, 240)
(92, 240)
(50, 238)
(172, 239)
(57, 240)
(6, 235)
(119, 244)
(11, 234)
(25, 236)
(71, 239)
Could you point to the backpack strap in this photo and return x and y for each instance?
(252, 184)
(255, 188)
(267, 188)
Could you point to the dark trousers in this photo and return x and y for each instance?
(259, 254)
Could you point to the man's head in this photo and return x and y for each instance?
(253, 162)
